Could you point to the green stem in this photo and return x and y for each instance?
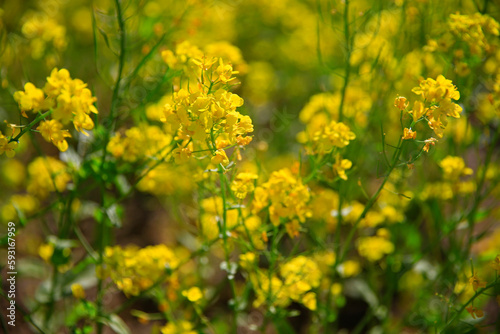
(477, 294)
(347, 69)
(369, 204)
(31, 125)
(103, 229)
(224, 233)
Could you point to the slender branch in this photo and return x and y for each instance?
(477, 294)
(30, 125)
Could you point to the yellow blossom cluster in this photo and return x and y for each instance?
(323, 134)
(193, 294)
(24, 203)
(243, 184)
(47, 174)
(437, 105)
(140, 142)
(202, 116)
(179, 327)
(135, 269)
(322, 137)
(325, 106)
(375, 247)
(222, 56)
(166, 179)
(212, 212)
(285, 197)
(296, 281)
(453, 169)
(6, 146)
(331, 135)
(212, 117)
(68, 101)
(42, 31)
(240, 223)
(472, 29)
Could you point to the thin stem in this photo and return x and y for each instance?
(224, 233)
(369, 204)
(477, 294)
(31, 125)
(103, 229)
(347, 60)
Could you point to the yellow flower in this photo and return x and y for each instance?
(6, 147)
(454, 168)
(220, 157)
(134, 269)
(45, 251)
(409, 134)
(437, 90)
(340, 166)
(474, 312)
(332, 135)
(193, 294)
(401, 103)
(418, 111)
(336, 289)
(180, 327)
(52, 131)
(284, 195)
(350, 268)
(439, 94)
(31, 99)
(309, 301)
(243, 184)
(78, 291)
(47, 175)
(182, 155)
(293, 228)
(374, 248)
(476, 282)
(247, 260)
(225, 72)
(428, 143)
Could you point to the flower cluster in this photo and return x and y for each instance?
(472, 29)
(286, 198)
(326, 106)
(135, 269)
(203, 117)
(296, 281)
(6, 146)
(454, 169)
(188, 57)
(179, 327)
(68, 101)
(375, 247)
(140, 142)
(47, 175)
(42, 31)
(438, 105)
(243, 184)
